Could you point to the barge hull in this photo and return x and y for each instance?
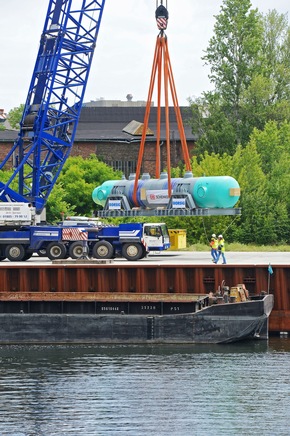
(213, 324)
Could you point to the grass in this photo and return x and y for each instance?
(242, 247)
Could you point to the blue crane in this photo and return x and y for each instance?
(52, 109)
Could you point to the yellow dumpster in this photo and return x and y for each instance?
(177, 239)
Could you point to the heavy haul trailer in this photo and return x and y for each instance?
(130, 240)
(61, 242)
(20, 237)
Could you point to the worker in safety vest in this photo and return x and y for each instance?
(214, 245)
(221, 249)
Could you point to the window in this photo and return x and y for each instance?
(127, 167)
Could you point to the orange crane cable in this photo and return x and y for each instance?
(161, 66)
(146, 120)
(158, 122)
(166, 80)
(178, 114)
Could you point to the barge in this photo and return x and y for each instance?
(135, 318)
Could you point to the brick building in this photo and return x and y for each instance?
(114, 134)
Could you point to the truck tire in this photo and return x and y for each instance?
(2, 253)
(56, 250)
(132, 251)
(15, 252)
(103, 250)
(144, 252)
(76, 250)
(27, 256)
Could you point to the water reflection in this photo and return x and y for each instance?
(162, 390)
(64, 353)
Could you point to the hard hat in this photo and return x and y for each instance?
(220, 236)
(213, 235)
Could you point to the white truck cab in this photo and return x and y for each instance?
(156, 236)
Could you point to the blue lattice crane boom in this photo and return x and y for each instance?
(54, 100)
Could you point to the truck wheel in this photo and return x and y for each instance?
(2, 253)
(15, 253)
(41, 252)
(75, 250)
(56, 250)
(103, 250)
(27, 256)
(132, 251)
(144, 252)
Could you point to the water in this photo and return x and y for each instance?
(239, 389)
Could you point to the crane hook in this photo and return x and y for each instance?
(161, 15)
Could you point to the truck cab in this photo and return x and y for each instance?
(156, 236)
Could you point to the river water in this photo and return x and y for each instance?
(241, 389)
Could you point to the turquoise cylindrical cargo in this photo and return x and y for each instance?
(206, 192)
(216, 191)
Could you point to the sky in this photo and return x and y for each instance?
(123, 56)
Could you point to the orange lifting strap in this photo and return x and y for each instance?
(162, 64)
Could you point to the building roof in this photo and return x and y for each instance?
(107, 124)
(8, 135)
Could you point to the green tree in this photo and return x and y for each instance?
(249, 59)
(57, 207)
(262, 169)
(15, 115)
(268, 95)
(256, 106)
(219, 117)
(78, 179)
(212, 126)
(276, 53)
(233, 55)
(253, 201)
(272, 143)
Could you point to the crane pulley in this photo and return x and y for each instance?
(161, 15)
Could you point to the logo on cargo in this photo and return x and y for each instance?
(114, 204)
(160, 196)
(178, 203)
